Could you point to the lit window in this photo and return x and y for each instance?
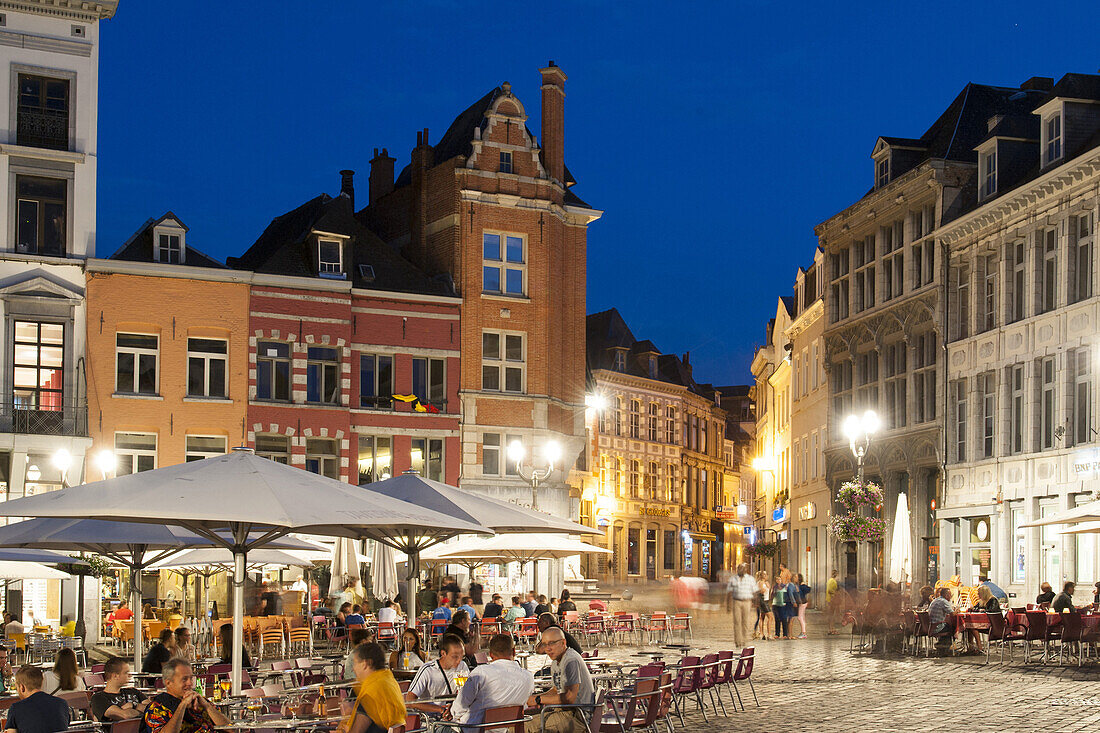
(504, 267)
(426, 458)
(135, 364)
(375, 458)
(206, 367)
(38, 365)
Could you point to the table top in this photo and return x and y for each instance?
(282, 723)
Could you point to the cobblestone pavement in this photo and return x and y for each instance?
(816, 684)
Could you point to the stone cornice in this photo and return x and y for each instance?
(806, 318)
(631, 381)
(84, 10)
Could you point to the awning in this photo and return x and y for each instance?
(709, 536)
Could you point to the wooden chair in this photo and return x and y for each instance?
(298, 640)
(273, 637)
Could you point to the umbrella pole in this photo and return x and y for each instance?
(238, 618)
(413, 571)
(135, 606)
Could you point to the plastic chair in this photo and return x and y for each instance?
(657, 627)
(439, 625)
(644, 699)
(489, 628)
(744, 673)
(528, 630)
(595, 626)
(681, 622)
(386, 632)
(298, 640)
(1036, 631)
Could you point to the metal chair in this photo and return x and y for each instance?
(640, 711)
(687, 685)
(507, 717)
(743, 673)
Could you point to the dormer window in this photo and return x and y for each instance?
(330, 258)
(505, 161)
(169, 241)
(366, 272)
(987, 167)
(652, 367)
(620, 360)
(882, 172)
(170, 248)
(1052, 138)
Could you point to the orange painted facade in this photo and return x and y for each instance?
(174, 308)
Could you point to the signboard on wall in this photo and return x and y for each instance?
(725, 512)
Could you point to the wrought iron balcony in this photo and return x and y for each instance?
(40, 127)
(21, 418)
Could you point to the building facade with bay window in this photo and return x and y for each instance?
(1023, 328)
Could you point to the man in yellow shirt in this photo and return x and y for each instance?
(831, 587)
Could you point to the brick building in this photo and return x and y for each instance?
(493, 210)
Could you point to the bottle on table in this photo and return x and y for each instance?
(321, 699)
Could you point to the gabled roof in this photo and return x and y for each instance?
(285, 248)
(1077, 86)
(140, 248)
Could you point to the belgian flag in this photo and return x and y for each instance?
(418, 406)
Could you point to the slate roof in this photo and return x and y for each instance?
(139, 247)
(1077, 86)
(1024, 127)
(285, 248)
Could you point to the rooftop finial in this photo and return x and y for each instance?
(507, 87)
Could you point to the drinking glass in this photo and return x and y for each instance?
(225, 684)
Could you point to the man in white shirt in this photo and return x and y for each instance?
(13, 626)
(437, 679)
(386, 614)
(500, 682)
(743, 588)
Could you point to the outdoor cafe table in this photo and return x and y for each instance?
(327, 722)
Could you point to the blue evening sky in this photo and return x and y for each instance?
(713, 135)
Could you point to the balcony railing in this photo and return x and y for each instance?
(39, 127)
(69, 420)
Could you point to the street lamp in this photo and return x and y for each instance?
(62, 460)
(859, 430)
(551, 454)
(106, 462)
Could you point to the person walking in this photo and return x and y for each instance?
(743, 592)
(763, 604)
(804, 595)
(832, 602)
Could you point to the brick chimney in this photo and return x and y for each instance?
(381, 175)
(347, 185)
(687, 362)
(553, 121)
(423, 157)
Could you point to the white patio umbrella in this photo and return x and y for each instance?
(1082, 528)
(514, 548)
(344, 563)
(48, 557)
(383, 572)
(219, 559)
(500, 516)
(901, 543)
(23, 570)
(255, 501)
(1085, 513)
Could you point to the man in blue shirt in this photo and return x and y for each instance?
(355, 617)
(530, 603)
(36, 712)
(468, 607)
(442, 612)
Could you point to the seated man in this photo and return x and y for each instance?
(494, 608)
(468, 607)
(159, 653)
(572, 685)
(460, 627)
(356, 637)
(938, 610)
(355, 617)
(437, 678)
(116, 701)
(1046, 594)
(180, 709)
(442, 612)
(500, 682)
(1064, 601)
(36, 712)
(387, 614)
(548, 620)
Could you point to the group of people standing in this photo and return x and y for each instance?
(773, 604)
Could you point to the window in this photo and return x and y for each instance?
(867, 394)
(1082, 397)
(895, 365)
(135, 452)
(840, 286)
(635, 477)
(504, 266)
(170, 248)
(620, 360)
(330, 258)
(502, 371)
(426, 458)
(1017, 408)
(863, 253)
(375, 458)
(633, 550)
(813, 455)
(652, 481)
(961, 277)
(202, 446)
(989, 412)
(882, 172)
(842, 392)
(273, 371)
(924, 377)
(924, 263)
(43, 115)
(1047, 403)
(41, 212)
(505, 161)
(1048, 273)
(135, 364)
(1016, 281)
(619, 408)
(669, 549)
(1082, 258)
(670, 425)
(989, 292)
(38, 366)
(960, 408)
(321, 457)
(635, 419)
(893, 265)
(274, 448)
(206, 372)
(651, 422)
(322, 375)
(672, 483)
(988, 169)
(376, 381)
(428, 381)
(652, 367)
(494, 454)
(1052, 131)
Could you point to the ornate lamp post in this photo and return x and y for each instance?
(551, 454)
(859, 429)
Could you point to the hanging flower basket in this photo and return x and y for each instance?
(762, 549)
(857, 528)
(853, 495)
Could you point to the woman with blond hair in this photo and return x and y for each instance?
(763, 606)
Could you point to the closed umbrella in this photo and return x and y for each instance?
(383, 572)
(252, 499)
(901, 544)
(345, 564)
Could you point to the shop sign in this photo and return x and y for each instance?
(651, 511)
(807, 511)
(726, 512)
(779, 515)
(1088, 462)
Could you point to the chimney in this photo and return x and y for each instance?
(687, 362)
(553, 121)
(423, 157)
(1039, 84)
(347, 185)
(381, 175)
